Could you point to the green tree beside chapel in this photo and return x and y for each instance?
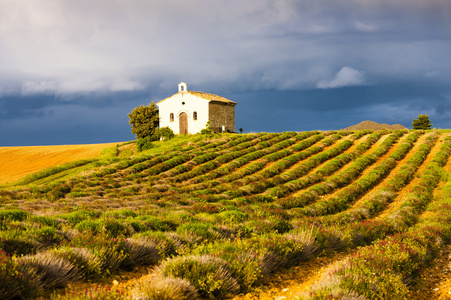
(144, 121)
(422, 123)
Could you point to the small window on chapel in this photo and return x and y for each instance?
(195, 116)
(171, 117)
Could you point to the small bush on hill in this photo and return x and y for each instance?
(76, 217)
(211, 276)
(13, 215)
(141, 252)
(165, 133)
(207, 130)
(87, 264)
(53, 271)
(14, 242)
(144, 144)
(15, 283)
(160, 287)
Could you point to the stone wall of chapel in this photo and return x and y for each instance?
(222, 114)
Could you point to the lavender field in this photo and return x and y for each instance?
(217, 215)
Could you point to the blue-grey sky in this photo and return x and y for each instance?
(71, 71)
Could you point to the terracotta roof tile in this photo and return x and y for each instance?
(206, 96)
(211, 97)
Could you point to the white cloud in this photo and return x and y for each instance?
(347, 76)
(65, 46)
(80, 85)
(431, 74)
(364, 27)
(41, 87)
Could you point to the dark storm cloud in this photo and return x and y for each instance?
(327, 62)
(22, 108)
(332, 109)
(46, 119)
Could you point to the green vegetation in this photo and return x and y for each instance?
(217, 214)
(207, 130)
(422, 123)
(144, 121)
(165, 133)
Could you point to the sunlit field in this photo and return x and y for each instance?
(217, 216)
(16, 162)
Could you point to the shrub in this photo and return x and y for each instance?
(47, 221)
(384, 269)
(268, 225)
(152, 223)
(179, 217)
(79, 215)
(144, 143)
(87, 264)
(48, 236)
(233, 217)
(59, 191)
(211, 276)
(245, 261)
(13, 215)
(201, 207)
(110, 251)
(89, 225)
(306, 238)
(111, 227)
(115, 227)
(53, 271)
(15, 283)
(141, 252)
(165, 133)
(14, 242)
(205, 231)
(111, 258)
(164, 288)
(207, 130)
(120, 213)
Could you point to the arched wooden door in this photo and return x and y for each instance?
(183, 119)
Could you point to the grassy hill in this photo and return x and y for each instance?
(218, 215)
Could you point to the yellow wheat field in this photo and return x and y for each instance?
(17, 162)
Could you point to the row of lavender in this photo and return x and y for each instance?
(230, 211)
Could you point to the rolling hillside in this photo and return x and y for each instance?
(17, 162)
(218, 216)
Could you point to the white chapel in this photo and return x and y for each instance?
(188, 112)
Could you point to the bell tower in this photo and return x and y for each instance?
(183, 87)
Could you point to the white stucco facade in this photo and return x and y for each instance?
(183, 102)
(196, 106)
